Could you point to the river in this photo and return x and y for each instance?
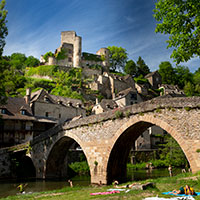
(8, 188)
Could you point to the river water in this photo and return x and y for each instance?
(8, 188)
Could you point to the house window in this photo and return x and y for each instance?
(69, 59)
(70, 51)
(46, 99)
(3, 111)
(133, 96)
(46, 114)
(59, 115)
(23, 112)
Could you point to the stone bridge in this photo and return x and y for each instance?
(106, 139)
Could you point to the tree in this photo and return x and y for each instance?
(18, 60)
(32, 62)
(143, 69)
(189, 89)
(167, 73)
(131, 68)
(172, 153)
(3, 34)
(183, 75)
(117, 57)
(3, 27)
(181, 20)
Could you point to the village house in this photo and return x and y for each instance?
(104, 106)
(16, 122)
(154, 79)
(24, 118)
(167, 89)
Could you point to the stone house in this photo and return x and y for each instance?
(16, 122)
(104, 105)
(154, 79)
(171, 89)
(24, 118)
(142, 88)
(127, 97)
(109, 84)
(55, 107)
(149, 139)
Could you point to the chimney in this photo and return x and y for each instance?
(28, 96)
(97, 101)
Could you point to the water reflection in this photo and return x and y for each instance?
(136, 175)
(10, 188)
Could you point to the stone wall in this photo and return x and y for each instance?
(90, 73)
(5, 164)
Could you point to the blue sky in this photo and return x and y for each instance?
(35, 25)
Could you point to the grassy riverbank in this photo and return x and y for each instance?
(83, 193)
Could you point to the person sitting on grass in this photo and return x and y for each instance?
(184, 190)
(115, 183)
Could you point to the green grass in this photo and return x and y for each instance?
(83, 193)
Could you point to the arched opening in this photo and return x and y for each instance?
(63, 153)
(117, 163)
(22, 166)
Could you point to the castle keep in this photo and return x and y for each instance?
(70, 53)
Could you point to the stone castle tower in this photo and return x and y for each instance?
(70, 37)
(72, 56)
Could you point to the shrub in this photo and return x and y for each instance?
(118, 114)
(42, 70)
(80, 167)
(47, 55)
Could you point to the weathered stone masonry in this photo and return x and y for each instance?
(106, 140)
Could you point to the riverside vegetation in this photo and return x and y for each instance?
(82, 193)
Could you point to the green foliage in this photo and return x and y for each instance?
(171, 152)
(43, 70)
(47, 55)
(80, 167)
(187, 108)
(91, 57)
(189, 89)
(61, 55)
(119, 114)
(3, 27)
(128, 113)
(18, 61)
(117, 57)
(167, 73)
(183, 75)
(142, 68)
(95, 66)
(141, 80)
(32, 62)
(118, 73)
(131, 68)
(181, 21)
(13, 81)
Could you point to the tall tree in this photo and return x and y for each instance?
(3, 34)
(181, 20)
(167, 73)
(3, 27)
(117, 57)
(183, 75)
(131, 68)
(143, 69)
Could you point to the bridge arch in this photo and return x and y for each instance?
(57, 160)
(122, 143)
